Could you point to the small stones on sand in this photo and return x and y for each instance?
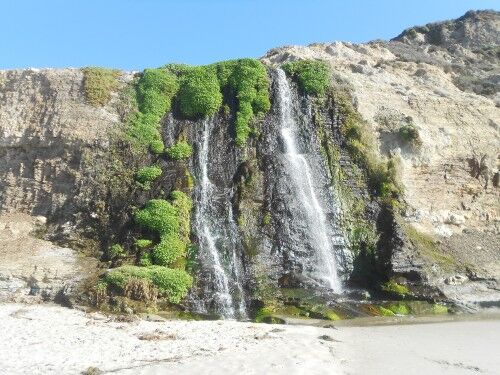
(327, 338)
(157, 335)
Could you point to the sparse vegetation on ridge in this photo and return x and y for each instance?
(98, 84)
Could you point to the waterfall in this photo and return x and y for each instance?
(218, 239)
(301, 178)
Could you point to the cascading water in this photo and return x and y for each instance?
(311, 215)
(218, 239)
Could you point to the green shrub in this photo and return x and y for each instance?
(313, 76)
(171, 283)
(180, 150)
(170, 249)
(146, 175)
(115, 251)
(158, 215)
(199, 94)
(98, 83)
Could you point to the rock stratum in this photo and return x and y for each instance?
(67, 190)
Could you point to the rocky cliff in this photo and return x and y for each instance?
(430, 101)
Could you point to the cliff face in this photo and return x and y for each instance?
(60, 160)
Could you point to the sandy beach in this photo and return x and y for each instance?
(49, 339)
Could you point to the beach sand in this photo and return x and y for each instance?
(49, 339)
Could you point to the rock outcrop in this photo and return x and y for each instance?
(441, 81)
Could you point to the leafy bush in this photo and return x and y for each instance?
(98, 83)
(180, 150)
(168, 250)
(171, 283)
(146, 175)
(313, 76)
(199, 94)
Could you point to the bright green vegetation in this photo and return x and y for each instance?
(399, 308)
(171, 220)
(171, 283)
(155, 91)
(203, 88)
(382, 176)
(143, 244)
(146, 175)
(313, 76)
(395, 288)
(199, 93)
(266, 220)
(247, 81)
(98, 84)
(115, 251)
(180, 150)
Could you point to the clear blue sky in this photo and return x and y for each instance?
(134, 34)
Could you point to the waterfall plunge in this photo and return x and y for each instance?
(218, 238)
(325, 267)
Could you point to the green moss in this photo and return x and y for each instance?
(440, 309)
(145, 260)
(395, 288)
(428, 247)
(146, 175)
(247, 80)
(385, 312)
(170, 249)
(171, 283)
(313, 76)
(158, 215)
(399, 308)
(143, 244)
(199, 93)
(98, 84)
(171, 220)
(155, 91)
(243, 81)
(180, 150)
(266, 220)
